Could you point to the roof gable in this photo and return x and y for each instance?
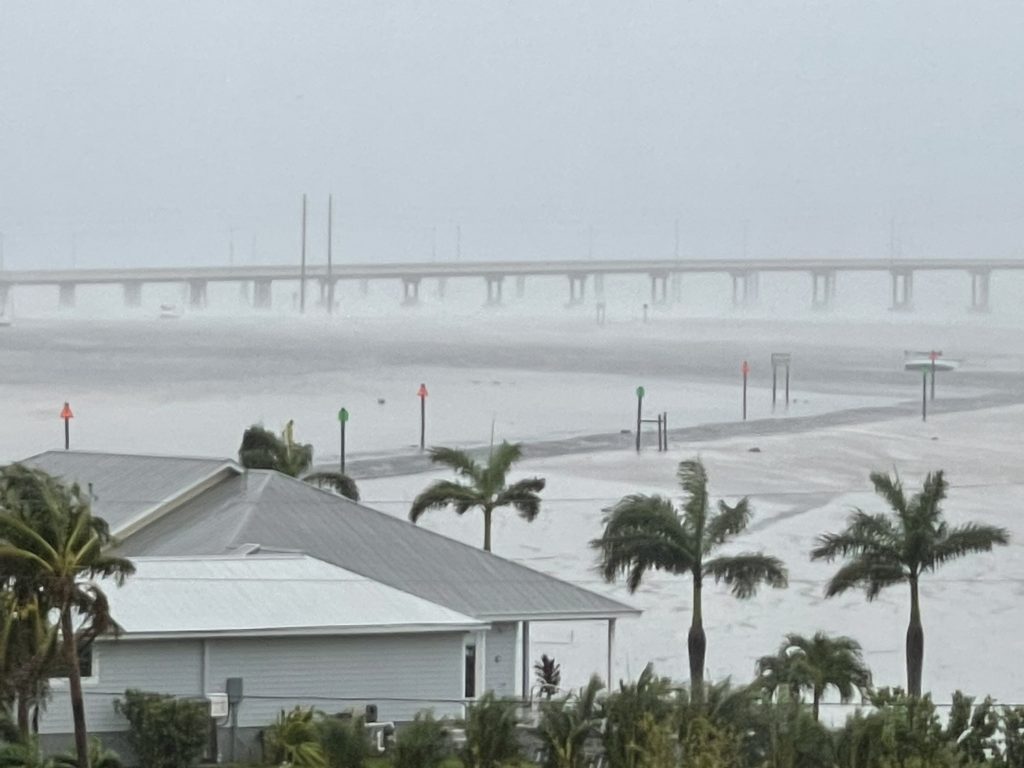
(129, 491)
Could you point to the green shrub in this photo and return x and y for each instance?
(28, 755)
(99, 757)
(490, 733)
(294, 739)
(164, 731)
(423, 743)
(344, 742)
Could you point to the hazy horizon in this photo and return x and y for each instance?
(138, 133)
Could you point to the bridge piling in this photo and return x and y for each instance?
(677, 287)
(577, 296)
(5, 292)
(599, 285)
(659, 279)
(745, 288)
(494, 289)
(902, 290)
(197, 294)
(442, 287)
(520, 286)
(261, 294)
(823, 289)
(410, 291)
(132, 293)
(66, 295)
(980, 282)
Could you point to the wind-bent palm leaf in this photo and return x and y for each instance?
(459, 461)
(338, 482)
(523, 497)
(964, 540)
(728, 522)
(444, 493)
(744, 573)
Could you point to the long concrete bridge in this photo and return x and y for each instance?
(744, 273)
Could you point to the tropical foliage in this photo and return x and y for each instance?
(294, 739)
(262, 449)
(646, 533)
(882, 550)
(52, 553)
(164, 731)
(548, 675)
(567, 724)
(813, 665)
(491, 739)
(482, 486)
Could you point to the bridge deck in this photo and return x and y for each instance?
(494, 269)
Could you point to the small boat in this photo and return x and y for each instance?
(169, 312)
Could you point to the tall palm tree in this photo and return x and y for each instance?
(262, 449)
(28, 644)
(646, 533)
(51, 543)
(886, 549)
(484, 486)
(816, 664)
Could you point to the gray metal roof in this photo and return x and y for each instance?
(129, 489)
(267, 595)
(274, 511)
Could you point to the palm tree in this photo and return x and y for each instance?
(566, 724)
(882, 550)
(645, 533)
(50, 543)
(262, 449)
(485, 486)
(815, 664)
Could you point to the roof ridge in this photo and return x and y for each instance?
(131, 455)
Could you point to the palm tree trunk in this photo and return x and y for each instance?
(75, 686)
(816, 704)
(24, 714)
(487, 529)
(915, 642)
(696, 645)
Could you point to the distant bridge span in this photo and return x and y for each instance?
(744, 273)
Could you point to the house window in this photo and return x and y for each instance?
(470, 674)
(85, 654)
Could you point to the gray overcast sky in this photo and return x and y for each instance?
(159, 132)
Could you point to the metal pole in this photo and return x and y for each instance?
(67, 434)
(787, 385)
(744, 395)
(302, 266)
(933, 378)
(611, 649)
(924, 395)
(330, 281)
(343, 447)
(774, 388)
(639, 417)
(423, 423)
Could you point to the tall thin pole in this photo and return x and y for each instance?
(639, 417)
(933, 377)
(343, 447)
(924, 395)
(302, 266)
(330, 232)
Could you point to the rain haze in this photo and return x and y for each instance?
(794, 231)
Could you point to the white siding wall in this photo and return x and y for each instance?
(502, 674)
(167, 666)
(402, 674)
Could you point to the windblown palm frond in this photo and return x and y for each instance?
(338, 482)
(744, 573)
